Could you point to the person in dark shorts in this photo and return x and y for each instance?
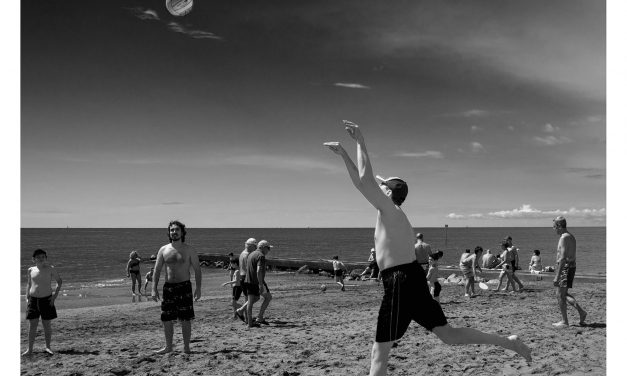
(249, 246)
(338, 271)
(256, 283)
(178, 298)
(236, 282)
(565, 268)
(406, 294)
(372, 267)
(40, 299)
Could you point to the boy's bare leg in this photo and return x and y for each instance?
(186, 328)
(498, 287)
(168, 330)
(379, 358)
(32, 333)
(459, 336)
(47, 335)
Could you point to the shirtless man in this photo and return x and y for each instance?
(40, 299)
(565, 272)
(178, 301)
(423, 250)
(406, 294)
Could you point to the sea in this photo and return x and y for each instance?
(97, 257)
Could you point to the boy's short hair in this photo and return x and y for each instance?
(38, 252)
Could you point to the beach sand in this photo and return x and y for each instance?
(316, 333)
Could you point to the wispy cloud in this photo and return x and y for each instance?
(351, 85)
(172, 203)
(291, 163)
(526, 211)
(476, 147)
(588, 172)
(193, 33)
(476, 129)
(548, 128)
(424, 154)
(144, 13)
(551, 140)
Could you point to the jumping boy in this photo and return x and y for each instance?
(40, 299)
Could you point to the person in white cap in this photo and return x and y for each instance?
(566, 261)
(249, 246)
(256, 283)
(406, 293)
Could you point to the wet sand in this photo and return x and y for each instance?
(316, 333)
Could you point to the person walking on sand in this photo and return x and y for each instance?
(178, 300)
(148, 279)
(233, 265)
(338, 271)
(132, 271)
(372, 267)
(249, 246)
(565, 267)
(432, 275)
(506, 267)
(40, 299)
(515, 264)
(236, 283)
(256, 283)
(468, 264)
(423, 250)
(406, 294)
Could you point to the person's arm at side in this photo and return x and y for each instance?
(28, 284)
(361, 176)
(128, 268)
(197, 273)
(261, 268)
(560, 259)
(54, 274)
(156, 274)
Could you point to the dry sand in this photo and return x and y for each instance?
(331, 333)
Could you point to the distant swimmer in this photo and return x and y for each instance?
(566, 264)
(178, 299)
(132, 271)
(40, 299)
(406, 293)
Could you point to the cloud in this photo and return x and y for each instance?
(475, 113)
(552, 140)
(476, 128)
(588, 172)
(351, 85)
(476, 147)
(291, 163)
(527, 211)
(548, 128)
(172, 203)
(425, 154)
(144, 14)
(511, 128)
(196, 34)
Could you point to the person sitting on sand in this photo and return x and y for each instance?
(432, 275)
(338, 271)
(132, 270)
(535, 265)
(372, 267)
(488, 260)
(178, 299)
(506, 265)
(236, 282)
(148, 279)
(566, 264)
(468, 264)
(40, 299)
(256, 283)
(406, 293)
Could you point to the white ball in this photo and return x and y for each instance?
(179, 8)
(323, 287)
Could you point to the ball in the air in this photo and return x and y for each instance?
(179, 8)
(323, 288)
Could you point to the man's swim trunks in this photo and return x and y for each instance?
(251, 289)
(178, 301)
(566, 275)
(338, 272)
(40, 307)
(406, 297)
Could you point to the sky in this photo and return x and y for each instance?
(493, 112)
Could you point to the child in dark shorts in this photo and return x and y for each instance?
(40, 299)
(237, 292)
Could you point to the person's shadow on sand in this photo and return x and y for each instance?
(78, 352)
(594, 325)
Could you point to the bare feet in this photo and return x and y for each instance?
(582, 317)
(518, 346)
(560, 324)
(48, 351)
(27, 353)
(164, 350)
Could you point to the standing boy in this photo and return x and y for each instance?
(40, 298)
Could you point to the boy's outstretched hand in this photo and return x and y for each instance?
(335, 147)
(353, 130)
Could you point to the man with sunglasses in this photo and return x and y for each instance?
(406, 293)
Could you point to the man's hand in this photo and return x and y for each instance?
(197, 295)
(155, 295)
(52, 299)
(353, 131)
(335, 147)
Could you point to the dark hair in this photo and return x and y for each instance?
(478, 249)
(181, 226)
(437, 255)
(231, 254)
(537, 252)
(335, 257)
(467, 250)
(38, 252)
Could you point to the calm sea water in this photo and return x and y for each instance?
(98, 257)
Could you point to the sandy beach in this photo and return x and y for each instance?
(316, 333)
